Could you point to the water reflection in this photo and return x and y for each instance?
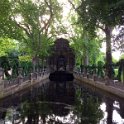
(113, 112)
(109, 110)
(87, 109)
(57, 104)
(121, 110)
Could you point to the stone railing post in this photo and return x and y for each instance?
(88, 75)
(1, 81)
(107, 80)
(1, 87)
(31, 77)
(20, 77)
(43, 72)
(94, 77)
(1, 73)
(83, 75)
(36, 75)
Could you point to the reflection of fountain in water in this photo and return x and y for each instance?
(52, 103)
(42, 104)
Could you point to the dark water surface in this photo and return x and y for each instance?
(57, 104)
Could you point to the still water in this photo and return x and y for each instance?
(57, 104)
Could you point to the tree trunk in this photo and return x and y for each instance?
(109, 70)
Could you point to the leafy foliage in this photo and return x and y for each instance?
(4, 5)
(36, 18)
(103, 14)
(118, 40)
(84, 45)
(7, 45)
(31, 22)
(97, 14)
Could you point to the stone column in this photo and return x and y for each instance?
(1, 81)
(94, 77)
(32, 77)
(107, 80)
(20, 77)
(1, 73)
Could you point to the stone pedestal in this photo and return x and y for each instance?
(31, 78)
(20, 79)
(1, 73)
(1, 82)
(88, 75)
(94, 77)
(107, 80)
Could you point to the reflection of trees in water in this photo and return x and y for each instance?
(2, 115)
(34, 111)
(32, 107)
(43, 112)
(109, 109)
(121, 109)
(87, 109)
(110, 106)
(46, 106)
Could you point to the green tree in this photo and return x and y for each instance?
(4, 5)
(31, 22)
(8, 28)
(7, 45)
(87, 50)
(104, 15)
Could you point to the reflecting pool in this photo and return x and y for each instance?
(61, 103)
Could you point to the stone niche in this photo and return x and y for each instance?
(61, 52)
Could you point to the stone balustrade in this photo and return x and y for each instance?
(112, 86)
(9, 87)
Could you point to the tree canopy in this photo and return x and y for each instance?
(6, 46)
(36, 23)
(102, 14)
(31, 22)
